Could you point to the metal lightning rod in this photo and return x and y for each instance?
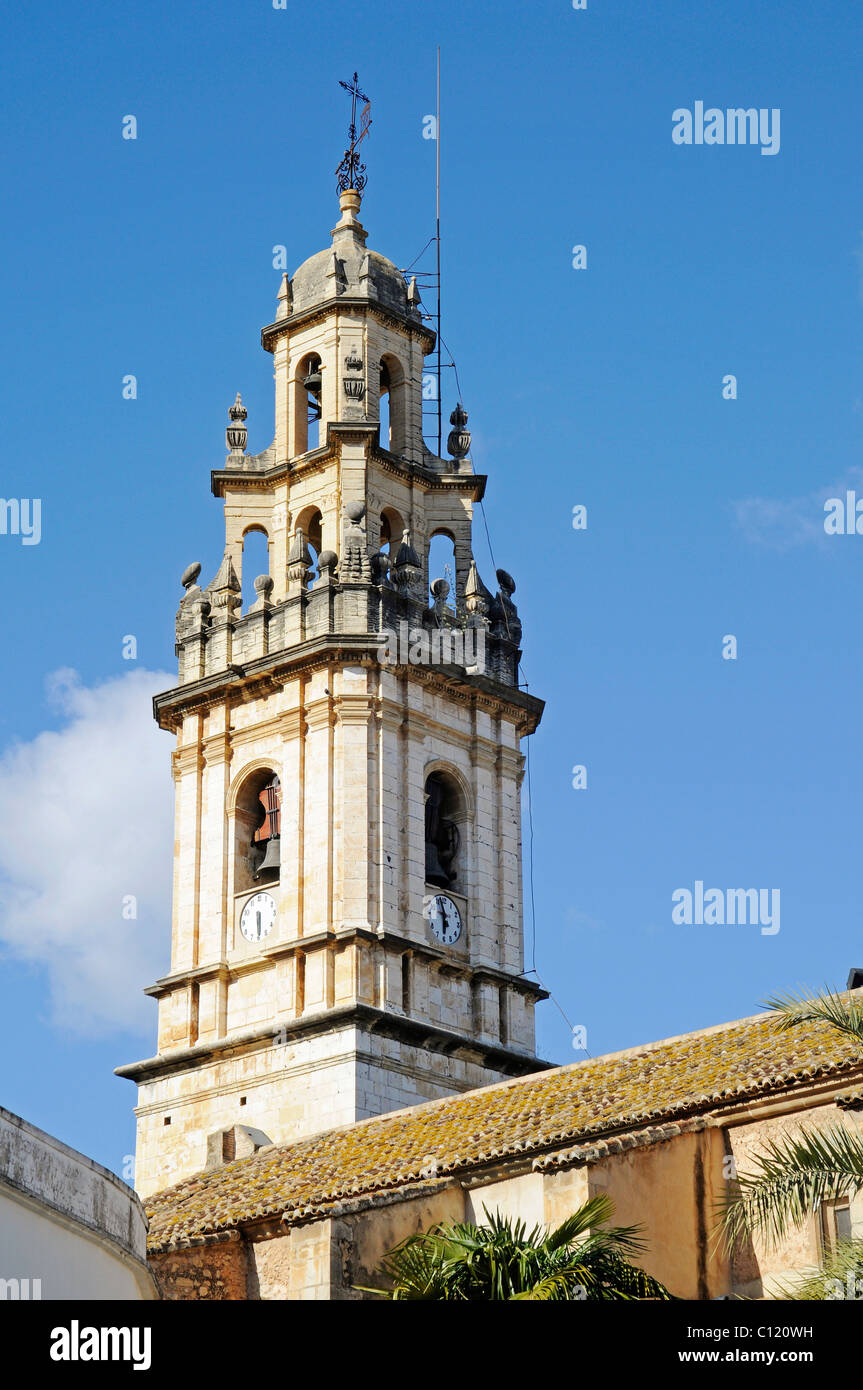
(437, 244)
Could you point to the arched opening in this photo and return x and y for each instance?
(391, 532)
(257, 831)
(445, 812)
(310, 522)
(385, 424)
(392, 405)
(308, 383)
(255, 562)
(441, 564)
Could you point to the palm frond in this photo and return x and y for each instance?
(594, 1212)
(843, 1014)
(502, 1260)
(840, 1277)
(790, 1180)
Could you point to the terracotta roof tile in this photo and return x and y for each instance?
(534, 1114)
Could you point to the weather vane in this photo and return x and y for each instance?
(351, 173)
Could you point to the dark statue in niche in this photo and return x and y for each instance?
(441, 835)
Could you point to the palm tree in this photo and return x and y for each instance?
(794, 1175)
(840, 1277)
(503, 1261)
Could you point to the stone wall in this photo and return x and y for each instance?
(66, 1222)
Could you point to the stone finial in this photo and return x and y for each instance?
(350, 202)
(190, 575)
(286, 298)
(327, 562)
(299, 560)
(414, 300)
(408, 566)
(236, 435)
(440, 593)
(355, 564)
(380, 563)
(349, 228)
(504, 613)
(336, 275)
(224, 591)
(458, 442)
(194, 608)
(506, 582)
(477, 599)
(263, 589)
(406, 555)
(226, 577)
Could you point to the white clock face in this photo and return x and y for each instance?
(443, 917)
(258, 917)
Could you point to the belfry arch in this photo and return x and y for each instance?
(393, 391)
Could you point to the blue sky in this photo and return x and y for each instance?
(601, 387)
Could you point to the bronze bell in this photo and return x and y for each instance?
(435, 872)
(440, 855)
(272, 858)
(314, 381)
(441, 837)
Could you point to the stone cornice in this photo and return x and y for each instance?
(343, 936)
(410, 1031)
(317, 653)
(428, 480)
(316, 313)
(339, 431)
(178, 979)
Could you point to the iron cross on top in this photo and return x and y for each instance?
(351, 173)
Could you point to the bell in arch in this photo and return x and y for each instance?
(272, 858)
(265, 854)
(441, 837)
(313, 384)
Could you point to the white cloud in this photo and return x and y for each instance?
(85, 820)
(582, 921)
(782, 523)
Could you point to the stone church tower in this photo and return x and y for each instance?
(347, 920)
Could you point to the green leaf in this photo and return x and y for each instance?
(790, 1180)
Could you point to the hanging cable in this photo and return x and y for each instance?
(530, 848)
(416, 258)
(525, 685)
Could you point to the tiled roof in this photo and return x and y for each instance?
(664, 1081)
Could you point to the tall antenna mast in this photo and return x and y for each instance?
(437, 245)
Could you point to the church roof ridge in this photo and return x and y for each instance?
(561, 1109)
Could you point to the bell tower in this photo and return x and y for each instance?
(347, 915)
